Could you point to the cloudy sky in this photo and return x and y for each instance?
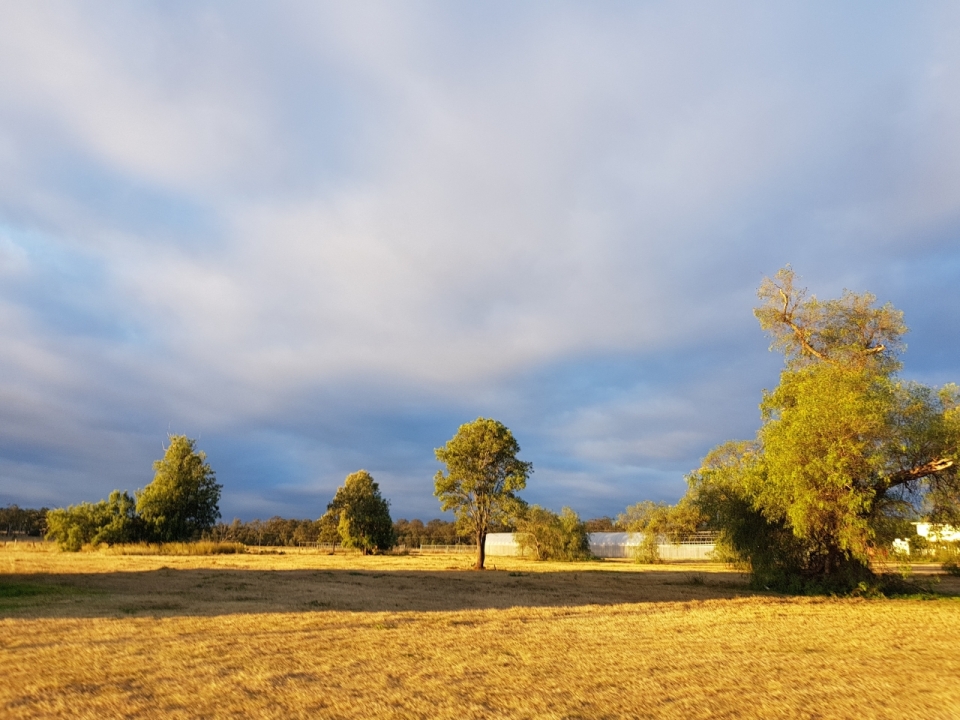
(320, 237)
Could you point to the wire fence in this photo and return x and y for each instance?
(448, 549)
(697, 538)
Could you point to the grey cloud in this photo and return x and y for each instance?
(323, 236)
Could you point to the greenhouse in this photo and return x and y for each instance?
(611, 545)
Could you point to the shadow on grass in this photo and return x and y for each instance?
(217, 591)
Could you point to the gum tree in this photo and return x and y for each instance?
(183, 499)
(360, 515)
(482, 478)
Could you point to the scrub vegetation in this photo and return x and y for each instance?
(101, 634)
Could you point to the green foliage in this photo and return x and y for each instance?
(482, 478)
(657, 523)
(601, 524)
(845, 454)
(329, 525)
(414, 533)
(124, 525)
(15, 520)
(183, 500)
(75, 526)
(110, 521)
(360, 515)
(275, 531)
(551, 536)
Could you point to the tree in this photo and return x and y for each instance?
(183, 500)
(552, 536)
(15, 520)
(845, 448)
(361, 515)
(601, 524)
(659, 522)
(110, 521)
(483, 475)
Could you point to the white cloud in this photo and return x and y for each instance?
(415, 202)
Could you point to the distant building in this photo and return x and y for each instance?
(612, 545)
(937, 533)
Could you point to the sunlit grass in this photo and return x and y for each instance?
(313, 635)
(203, 547)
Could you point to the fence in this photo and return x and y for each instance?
(448, 549)
(686, 551)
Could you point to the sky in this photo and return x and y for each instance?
(319, 237)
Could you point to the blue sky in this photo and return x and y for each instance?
(319, 237)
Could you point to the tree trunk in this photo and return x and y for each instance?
(481, 550)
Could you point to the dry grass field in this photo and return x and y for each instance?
(311, 635)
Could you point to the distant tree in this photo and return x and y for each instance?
(361, 514)
(306, 531)
(482, 478)
(183, 500)
(15, 520)
(657, 523)
(75, 526)
(329, 525)
(442, 532)
(124, 524)
(110, 521)
(552, 536)
(410, 533)
(600, 524)
(845, 450)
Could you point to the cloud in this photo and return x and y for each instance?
(322, 236)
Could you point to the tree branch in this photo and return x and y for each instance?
(920, 471)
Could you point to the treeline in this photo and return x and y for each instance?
(15, 520)
(286, 532)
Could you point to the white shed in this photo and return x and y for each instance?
(502, 545)
(614, 544)
(937, 533)
(606, 545)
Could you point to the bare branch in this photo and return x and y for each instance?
(920, 471)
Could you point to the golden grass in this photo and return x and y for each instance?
(201, 547)
(310, 635)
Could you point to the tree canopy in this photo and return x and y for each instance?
(845, 452)
(109, 521)
(360, 515)
(183, 500)
(482, 478)
(659, 522)
(552, 536)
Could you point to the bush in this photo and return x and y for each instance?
(551, 536)
(107, 522)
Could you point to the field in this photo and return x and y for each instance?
(313, 635)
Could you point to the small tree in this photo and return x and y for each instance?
(183, 500)
(552, 536)
(361, 515)
(109, 521)
(75, 526)
(657, 522)
(483, 475)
